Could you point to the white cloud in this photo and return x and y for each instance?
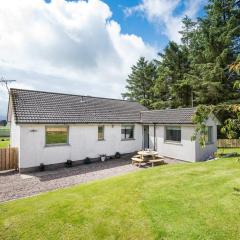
(161, 12)
(64, 46)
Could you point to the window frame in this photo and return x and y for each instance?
(103, 138)
(207, 135)
(124, 126)
(56, 144)
(170, 140)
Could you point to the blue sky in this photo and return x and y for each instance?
(138, 24)
(84, 47)
(151, 32)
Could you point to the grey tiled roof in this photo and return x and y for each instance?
(45, 107)
(169, 116)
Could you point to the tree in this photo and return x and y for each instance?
(187, 30)
(235, 69)
(140, 82)
(228, 114)
(212, 50)
(3, 122)
(171, 86)
(200, 70)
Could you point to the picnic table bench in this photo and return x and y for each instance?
(137, 161)
(156, 161)
(143, 157)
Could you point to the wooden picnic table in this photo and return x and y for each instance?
(147, 156)
(144, 154)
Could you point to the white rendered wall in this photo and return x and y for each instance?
(14, 134)
(209, 149)
(82, 143)
(185, 150)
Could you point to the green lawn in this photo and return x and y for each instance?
(5, 143)
(184, 201)
(4, 131)
(228, 150)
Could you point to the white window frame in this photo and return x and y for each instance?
(124, 126)
(56, 144)
(207, 135)
(101, 139)
(173, 128)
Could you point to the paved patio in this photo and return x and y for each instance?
(14, 185)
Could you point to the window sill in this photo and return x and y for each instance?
(131, 139)
(101, 140)
(57, 145)
(173, 142)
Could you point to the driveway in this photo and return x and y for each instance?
(14, 185)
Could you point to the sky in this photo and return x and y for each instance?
(84, 47)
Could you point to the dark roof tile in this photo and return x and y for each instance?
(169, 116)
(46, 107)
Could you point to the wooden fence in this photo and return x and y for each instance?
(228, 143)
(8, 158)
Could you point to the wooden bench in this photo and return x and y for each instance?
(156, 161)
(137, 161)
(137, 156)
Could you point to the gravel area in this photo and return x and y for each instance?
(14, 185)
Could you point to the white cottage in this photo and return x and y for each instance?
(51, 128)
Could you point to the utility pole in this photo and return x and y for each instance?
(6, 82)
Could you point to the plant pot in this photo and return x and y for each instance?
(87, 160)
(42, 167)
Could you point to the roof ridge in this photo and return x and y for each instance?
(168, 109)
(69, 94)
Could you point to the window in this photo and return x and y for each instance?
(56, 135)
(173, 134)
(127, 132)
(209, 135)
(100, 133)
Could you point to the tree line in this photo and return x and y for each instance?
(197, 71)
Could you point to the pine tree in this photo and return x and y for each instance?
(212, 51)
(187, 30)
(198, 70)
(171, 86)
(140, 82)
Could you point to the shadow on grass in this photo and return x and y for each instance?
(236, 191)
(229, 155)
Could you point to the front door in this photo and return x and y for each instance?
(146, 136)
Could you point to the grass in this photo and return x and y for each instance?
(228, 150)
(5, 143)
(4, 131)
(184, 201)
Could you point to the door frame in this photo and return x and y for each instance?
(148, 137)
